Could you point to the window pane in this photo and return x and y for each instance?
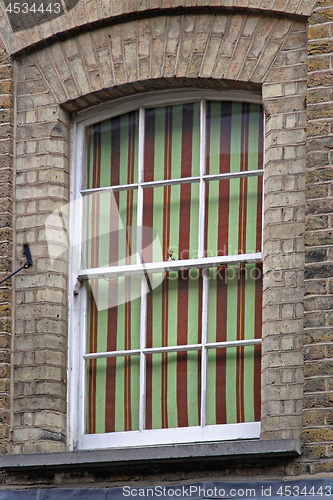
(233, 385)
(110, 229)
(174, 309)
(113, 394)
(172, 142)
(235, 303)
(173, 385)
(114, 328)
(112, 152)
(234, 137)
(173, 211)
(233, 216)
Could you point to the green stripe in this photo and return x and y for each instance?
(135, 391)
(211, 387)
(102, 323)
(120, 379)
(236, 137)
(91, 157)
(172, 390)
(231, 352)
(231, 355)
(159, 144)
(105, 173)
(249, 333)
(192, 388)
(213, 218)
(252, 182)
(253, 147)
(234, 186)
(249, 384)
(123, 167)
(156, 400)
(196, 140)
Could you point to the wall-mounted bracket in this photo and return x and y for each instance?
(26, 265)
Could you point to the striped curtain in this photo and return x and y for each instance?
(233, 214)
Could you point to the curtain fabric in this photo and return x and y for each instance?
(232, 215)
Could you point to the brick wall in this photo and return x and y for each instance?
(284, 92)
(87, 15)
(318, 320)
(6, 240)
(245, 51)
(199, 50)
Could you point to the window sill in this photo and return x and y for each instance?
(203, 452)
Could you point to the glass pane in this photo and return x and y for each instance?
(233, 385)
(173, 211)
(112, 151)
(233, 219)
(110, 232)
(174, 309)
(234, 137)
(113, 388)
(111, 328)
(173, 386)
(235, 303)
(172, 142)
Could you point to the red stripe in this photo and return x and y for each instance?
(94, 263)
(240, 350)
(184, 246)
(148, 222)
(129, 221)
(113, 258)
(221, 336)
(226, 112)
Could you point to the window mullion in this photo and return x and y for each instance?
(143, 307)
(201, 238)
(201, 255)
(204, 352)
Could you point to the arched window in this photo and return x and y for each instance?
(167, 327)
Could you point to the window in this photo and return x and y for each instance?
(168, 321)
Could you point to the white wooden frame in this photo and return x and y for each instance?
(77, 310)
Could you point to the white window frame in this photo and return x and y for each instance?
(77, 439)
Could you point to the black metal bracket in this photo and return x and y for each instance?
(26, 265)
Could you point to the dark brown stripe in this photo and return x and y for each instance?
(184, 244)
(148, 203)
(94, 283)
(113, 258)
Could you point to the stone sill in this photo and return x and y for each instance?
(186, 453)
